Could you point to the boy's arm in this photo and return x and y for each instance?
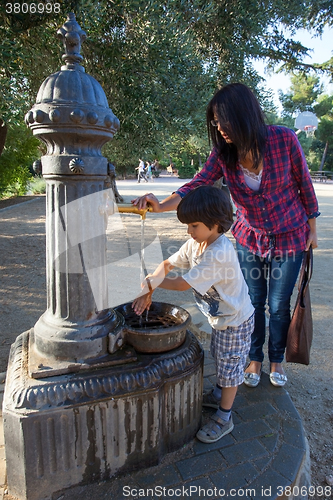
(177, 283)
(158, 280)
(152, 281)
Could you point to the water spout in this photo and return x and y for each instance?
(124, 208)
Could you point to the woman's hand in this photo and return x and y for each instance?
(142, 303)
(148, 199)
(312, 239)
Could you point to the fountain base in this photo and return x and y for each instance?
(82, 427)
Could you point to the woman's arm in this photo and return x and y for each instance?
(169, 203)
(211, 172)
(303, 179)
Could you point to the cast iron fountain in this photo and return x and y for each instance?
(89, 392)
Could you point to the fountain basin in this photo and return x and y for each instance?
(163, 329)
(77, 428)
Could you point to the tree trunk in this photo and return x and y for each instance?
(323, 158)
(3, 135)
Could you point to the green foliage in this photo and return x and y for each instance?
(186, 171)
(306, 143)
(152, 76)
(304, 94)
(159, 62)
(123, 169)
(324, 105)
(320, 13)
(20, 151)
(38, 185)
(325, 130)
(315, 156)
(28, 54)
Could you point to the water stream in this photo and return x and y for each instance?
(143, 270)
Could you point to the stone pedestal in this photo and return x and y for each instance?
(78, 428)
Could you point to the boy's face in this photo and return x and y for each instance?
(201, 233)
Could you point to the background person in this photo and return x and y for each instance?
(149, 171)
(220, 292)
(141, 171)
(266, 172)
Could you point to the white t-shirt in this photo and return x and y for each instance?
(141, 166)
(215, 275)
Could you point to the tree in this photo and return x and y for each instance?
(306, 94)
(159, 62)
(19, 153)
(303, 93)
(324, 109)
(320, 14)
(19, 81)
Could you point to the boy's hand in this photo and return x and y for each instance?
(142, 303)
(147, 284)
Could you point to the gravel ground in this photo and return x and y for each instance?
(23, 298)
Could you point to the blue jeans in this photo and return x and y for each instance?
(273, 279)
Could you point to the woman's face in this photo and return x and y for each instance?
(224, 134)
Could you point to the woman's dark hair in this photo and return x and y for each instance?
(207, 204)
(240, 116)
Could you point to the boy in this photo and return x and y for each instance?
(220, 292)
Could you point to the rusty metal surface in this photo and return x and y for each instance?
(85, 427)
(163, 329)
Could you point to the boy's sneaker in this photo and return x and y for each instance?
(210, 401)
(215, 429)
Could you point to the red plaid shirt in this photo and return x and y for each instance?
(273, 220)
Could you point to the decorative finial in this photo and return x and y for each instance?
(72, 36)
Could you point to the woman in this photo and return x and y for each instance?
(269, 181)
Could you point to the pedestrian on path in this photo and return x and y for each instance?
(266, 172)
(141, 171)
(149, 171)
(220, 293)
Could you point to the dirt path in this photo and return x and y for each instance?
(23, 300)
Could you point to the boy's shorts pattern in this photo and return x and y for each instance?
(230, 348)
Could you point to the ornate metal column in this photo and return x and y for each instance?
(72, 117)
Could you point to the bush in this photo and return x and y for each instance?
(122, 170)
(38, 186)
(162, 165)
(20, 151)
(186, 171)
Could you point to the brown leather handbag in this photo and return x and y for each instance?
(300, 331)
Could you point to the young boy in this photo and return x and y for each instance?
(220, 292)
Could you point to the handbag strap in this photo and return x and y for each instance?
(306, 270)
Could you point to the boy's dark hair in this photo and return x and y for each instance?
(207, 204)
(240, 116)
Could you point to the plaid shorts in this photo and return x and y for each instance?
(230, 348)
